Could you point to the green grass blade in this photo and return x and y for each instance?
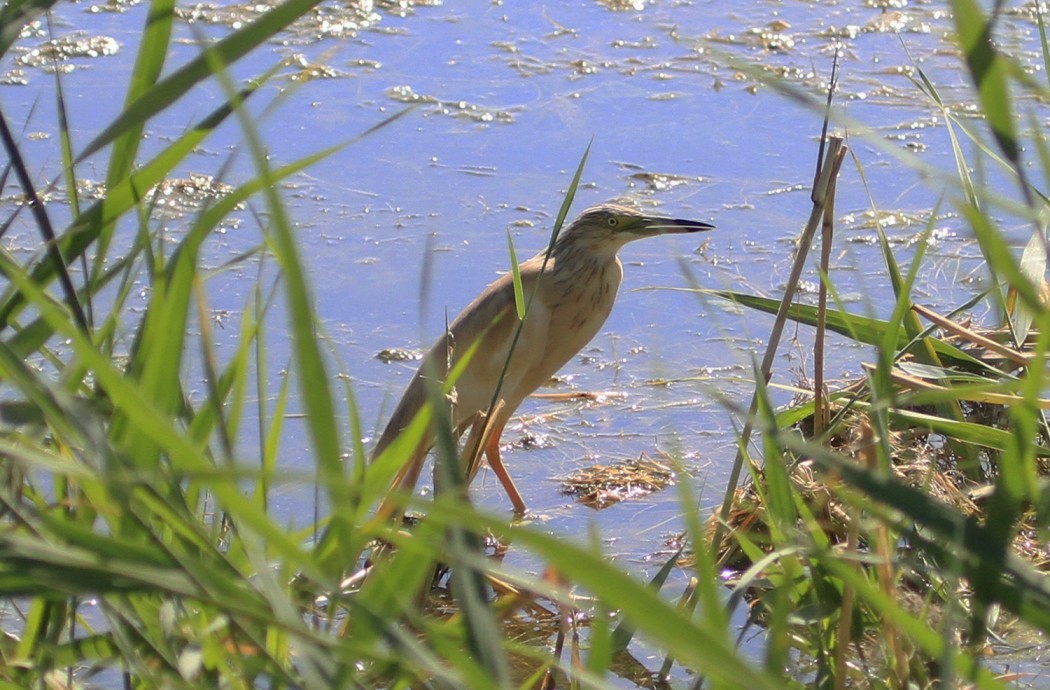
(947, 534)
(624, 632)
(570, 196)
(1042, 40)
(14, 15)
(970, 432)
(1001, 260)
(120, 199)
(863, 329)
(272, 444)
(225, 52)
(1033, 267)
(153, 50)
(185, 456)
(314, 383)
(918, 630)
(55, 259)
(989, 72)
(68, 170)
(693, 642)
(566, 203)
(519, 293)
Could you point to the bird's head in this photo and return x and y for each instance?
(610, 227)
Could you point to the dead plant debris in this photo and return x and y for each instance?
(601, 486)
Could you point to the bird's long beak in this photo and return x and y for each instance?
(654, 225)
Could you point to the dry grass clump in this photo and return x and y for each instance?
(601, 486)
(920, 459)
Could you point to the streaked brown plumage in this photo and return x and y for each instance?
(575, 295)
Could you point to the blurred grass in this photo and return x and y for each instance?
(933, 394)
(120, 489)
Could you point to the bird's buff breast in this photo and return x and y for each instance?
(565, 317)
(578, 308)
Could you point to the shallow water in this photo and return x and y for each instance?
(507, 97)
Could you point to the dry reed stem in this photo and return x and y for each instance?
(976, 338)
(836, 152)
(915, 383)
(820, 412)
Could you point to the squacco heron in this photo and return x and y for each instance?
(574, 295)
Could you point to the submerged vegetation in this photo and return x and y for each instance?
(891, 531)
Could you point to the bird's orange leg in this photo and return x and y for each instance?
(496, 463)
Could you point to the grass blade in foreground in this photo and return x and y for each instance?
(213, 58)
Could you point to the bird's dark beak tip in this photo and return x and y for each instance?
(696, 226)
